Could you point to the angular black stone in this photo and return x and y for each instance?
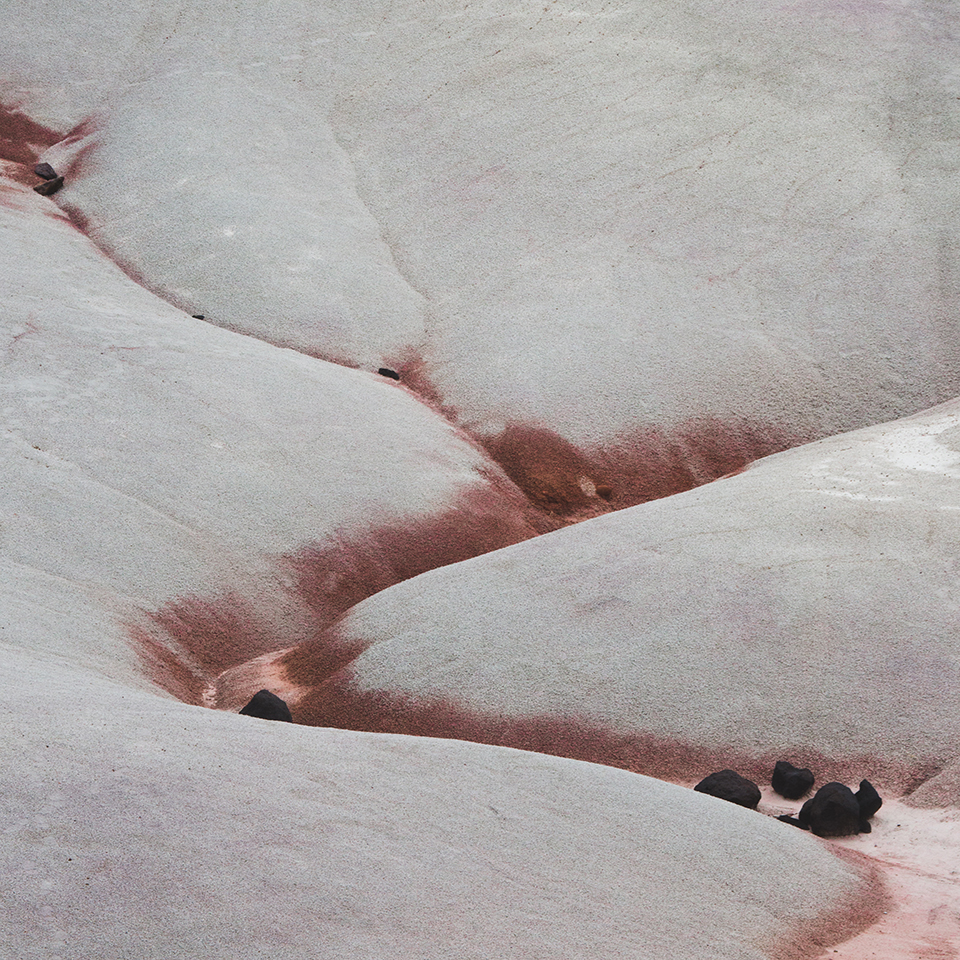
(197, 316)
(729, 785)
(267, 706)
(832, 812)
(793, 821)
(790, 781)
(46, 171)
(387, 372)
(868, 798)
(49, 187)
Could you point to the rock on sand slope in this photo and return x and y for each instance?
(804, 608)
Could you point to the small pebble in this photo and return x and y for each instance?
(49, 187)
(46, 171)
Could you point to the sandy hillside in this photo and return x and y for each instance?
(383, 355)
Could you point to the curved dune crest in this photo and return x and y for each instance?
(154, 827)
(806, 606)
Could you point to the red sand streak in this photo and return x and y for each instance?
(212, 635)
(82, 130)
(549, 469)
(845, 921)
(339, 702)
(22, 139)
(654, 463)
(647, 465)
(644, 464)
(331, 579)
(216, 634)
(167, 669)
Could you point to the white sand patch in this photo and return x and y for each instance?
(915, 447)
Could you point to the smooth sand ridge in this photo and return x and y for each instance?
(677, 220)
(150, 458)
(805, 607)
(693, 234)
(136, 825)
(139, 826)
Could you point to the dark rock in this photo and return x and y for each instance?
(49, 187)
(832, 812)
(868, 798)
(267, 706)
(197, 316)
(793, 821)
(46, 171)
(790, 781)
(387, 372)
(729, 785)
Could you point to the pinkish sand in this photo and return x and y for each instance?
(917, 853)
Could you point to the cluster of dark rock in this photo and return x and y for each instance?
(52, 182)
(834, 811)
(267, 706)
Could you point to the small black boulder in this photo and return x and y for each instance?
(729, 785)
(832, 812)
(388, 373)
(790, 781)
(869, 799)
(46, 171)
(267, 706)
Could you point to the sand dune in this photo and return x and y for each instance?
(607, 253)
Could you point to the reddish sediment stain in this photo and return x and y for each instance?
(81, 157)
(22, 140)
(333, 578)
(339, 701)
(649, 464)
(211, 635)
(332, 697)
(414, 372)
(78, 166)
(655, 463)
(166, 668)
(552, 472)
(858, 911)
(567, 483)
(554, 483)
